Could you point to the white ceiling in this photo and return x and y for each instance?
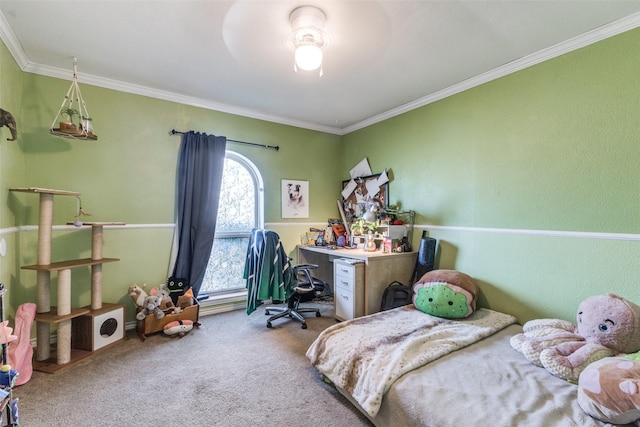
(385, 57)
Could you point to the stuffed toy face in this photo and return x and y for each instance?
(611, 321)
(443, 300)
(445, 293)
(609, 390)
(152, 302)
(151, 305)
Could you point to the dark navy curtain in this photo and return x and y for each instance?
(200, 167)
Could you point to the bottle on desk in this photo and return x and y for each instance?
(370, 246)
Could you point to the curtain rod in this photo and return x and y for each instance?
(275, 147)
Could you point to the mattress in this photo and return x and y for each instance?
(485, 384)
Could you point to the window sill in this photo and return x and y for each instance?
(223, 302)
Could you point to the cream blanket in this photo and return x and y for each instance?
(364, 356)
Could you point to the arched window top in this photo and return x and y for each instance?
(248, 164)
(241, 206)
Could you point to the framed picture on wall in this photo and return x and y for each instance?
(295, 199)
(356, 192)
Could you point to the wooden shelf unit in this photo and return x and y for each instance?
(64, 355)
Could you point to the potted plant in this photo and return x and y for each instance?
(361, 227)
(68, 125)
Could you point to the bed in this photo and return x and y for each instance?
(404, 367)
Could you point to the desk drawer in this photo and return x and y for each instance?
(344, 270)
(344, 304)
(346, 283)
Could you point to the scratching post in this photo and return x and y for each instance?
(96, 270)
(64, 343)
(64, 292)
(64, 308)
(44, 228)
(43, 330)
(96, 287)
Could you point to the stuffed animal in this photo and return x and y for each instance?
(151, 305)
(163, 292)
(137, 294)
(186, 300)
(20, 354)
(607, 325)
(8, 376)
(609, 390)
(445, 293)
(178, 328)
(6, 333)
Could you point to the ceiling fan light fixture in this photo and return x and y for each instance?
(308, 57)
(308, 39)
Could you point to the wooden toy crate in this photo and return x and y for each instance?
(150, 324)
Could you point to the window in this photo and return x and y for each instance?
(240, 209)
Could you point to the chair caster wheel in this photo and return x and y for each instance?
(269, 325)
(266, 312)
(304, 326)
(317, 314)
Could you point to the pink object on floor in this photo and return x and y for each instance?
(20, 352)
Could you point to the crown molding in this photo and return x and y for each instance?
(135, 89)
(9, 38)
(617, 27)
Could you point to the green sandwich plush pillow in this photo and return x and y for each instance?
(445, 293)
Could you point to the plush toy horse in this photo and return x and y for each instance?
(607, 326)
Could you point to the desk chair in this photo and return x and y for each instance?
(305, 290)
(269, 275)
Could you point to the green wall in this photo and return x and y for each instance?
(12, 171)
(528, 182)
(128, 175)
(503, 173)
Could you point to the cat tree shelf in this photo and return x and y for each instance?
(72, 263)
(53, 317)
(76, 327)
(45, 191)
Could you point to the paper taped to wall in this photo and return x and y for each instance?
(361, 169)
(346, 191)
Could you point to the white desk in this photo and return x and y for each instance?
(380, 269)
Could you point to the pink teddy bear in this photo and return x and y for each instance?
(607, 326)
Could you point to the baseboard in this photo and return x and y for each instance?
(209, 307)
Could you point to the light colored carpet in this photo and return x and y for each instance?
(231, 371)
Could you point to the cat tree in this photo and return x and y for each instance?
(77, 336)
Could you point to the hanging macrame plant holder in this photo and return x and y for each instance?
(73, 108)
